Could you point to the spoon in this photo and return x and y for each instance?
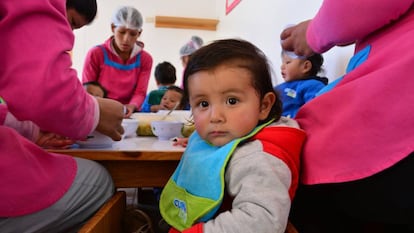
(168, 113)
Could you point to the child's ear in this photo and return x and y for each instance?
(113, 27)
(307, 66)
(266, 105)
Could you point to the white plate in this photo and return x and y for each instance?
(96, 140)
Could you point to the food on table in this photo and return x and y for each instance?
(188, 129)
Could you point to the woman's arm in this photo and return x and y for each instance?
(93, 60)
(37, 80)
(344, 22)
(142, 81)
(339, 23)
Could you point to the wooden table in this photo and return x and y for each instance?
(134, 162)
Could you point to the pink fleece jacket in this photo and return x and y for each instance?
(38, 85)
(365, 124)
(127, 81)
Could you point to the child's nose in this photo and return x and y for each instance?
(216, 114)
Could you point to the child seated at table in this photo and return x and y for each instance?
(240, 169)
(165, 76)
(173, 98)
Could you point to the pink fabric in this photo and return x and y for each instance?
(25, 128)
(365, 124)
(126, 86)
(38, 84)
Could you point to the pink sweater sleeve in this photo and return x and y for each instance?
(140, 91)
(37, 80)
(347, 21)
(91, 65)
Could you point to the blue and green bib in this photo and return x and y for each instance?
(195, 190)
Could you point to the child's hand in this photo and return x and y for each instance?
(180, 142)
(53, 141)
(155, 108)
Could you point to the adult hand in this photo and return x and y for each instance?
(130, 108)
(110, 120)
(53, 141)
(294, 39)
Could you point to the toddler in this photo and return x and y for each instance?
(172, 98)
(240, 168)
(165, 76)
(301, 81)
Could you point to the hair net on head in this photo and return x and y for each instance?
(191, 46)
(128, 17)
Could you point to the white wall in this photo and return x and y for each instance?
(259, 21)
(262, 21)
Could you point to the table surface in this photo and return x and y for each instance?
(135, 148)
(134, 162)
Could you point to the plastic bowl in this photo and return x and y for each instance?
(130, 127)
(166, 130)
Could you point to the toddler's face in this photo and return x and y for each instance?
(293, 68)
(170, 99)
(224, 103)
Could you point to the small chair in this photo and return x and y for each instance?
(108, 219)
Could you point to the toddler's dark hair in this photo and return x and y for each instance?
(165, 73)
(86, 8)
(242, 54)
(317, 62)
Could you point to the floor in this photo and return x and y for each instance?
(144, 199)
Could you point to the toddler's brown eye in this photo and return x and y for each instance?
(204, 104)
(232, 101)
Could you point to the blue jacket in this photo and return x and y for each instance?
(296, 93)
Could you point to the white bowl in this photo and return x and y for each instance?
(130, 127)
(166, 130)
(96, 140)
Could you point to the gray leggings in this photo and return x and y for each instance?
(92, 187)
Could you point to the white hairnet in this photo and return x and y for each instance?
(191, 46)
(128, 17)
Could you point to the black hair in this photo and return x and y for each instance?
(87, 8)
(96, 83)
(317, 61)
(165, 73)
(183, 102)
(242, 54)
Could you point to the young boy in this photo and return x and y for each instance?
(165, 76)
(173, 98)
(240, 169)
(301, 81)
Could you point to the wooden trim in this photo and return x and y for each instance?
(109, 216)
(186, 23)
